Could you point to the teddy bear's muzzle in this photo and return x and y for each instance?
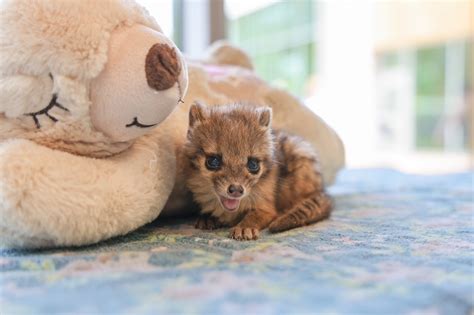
(144, 79)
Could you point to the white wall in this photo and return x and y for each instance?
(346, 75)
(162, 11)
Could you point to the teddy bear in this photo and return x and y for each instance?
(94, 103)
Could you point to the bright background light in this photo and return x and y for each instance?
(162, 10)
(393, 78)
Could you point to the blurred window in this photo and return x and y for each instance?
(430, 82)
(279, 36)
(324, 52)
(441, 86)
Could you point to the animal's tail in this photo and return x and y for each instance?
(310, 210)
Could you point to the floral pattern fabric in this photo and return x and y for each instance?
(395, 244)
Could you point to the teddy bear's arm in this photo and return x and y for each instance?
(52, 198)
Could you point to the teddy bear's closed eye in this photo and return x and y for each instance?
(45, 111)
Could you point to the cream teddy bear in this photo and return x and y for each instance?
(93, 112)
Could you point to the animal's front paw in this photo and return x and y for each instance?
(207, 223)
(244, 234)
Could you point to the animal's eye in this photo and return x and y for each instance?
(253, 165)
(213, 162)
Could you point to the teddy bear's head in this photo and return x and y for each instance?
(85, 76)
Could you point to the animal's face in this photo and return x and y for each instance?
(230, 148)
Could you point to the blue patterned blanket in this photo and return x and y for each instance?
(395, 244)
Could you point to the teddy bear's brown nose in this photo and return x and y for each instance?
(162, 67)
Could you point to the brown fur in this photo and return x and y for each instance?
(287, 192)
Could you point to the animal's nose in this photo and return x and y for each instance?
(235, 190)
(162, 67)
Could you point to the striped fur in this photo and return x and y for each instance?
(309, 210)
(287, 191)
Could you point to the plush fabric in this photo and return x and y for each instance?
(395, 244)
(67, 48)
(94, 110)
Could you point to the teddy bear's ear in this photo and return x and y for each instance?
(197, 114)
(265, 116)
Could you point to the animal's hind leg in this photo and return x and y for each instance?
(309, 210)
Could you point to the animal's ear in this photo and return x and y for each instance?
(265, 117)
(197, 114)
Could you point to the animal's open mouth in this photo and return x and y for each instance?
(230, 204)
(136, 123)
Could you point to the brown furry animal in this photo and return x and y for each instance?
(247, 176)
